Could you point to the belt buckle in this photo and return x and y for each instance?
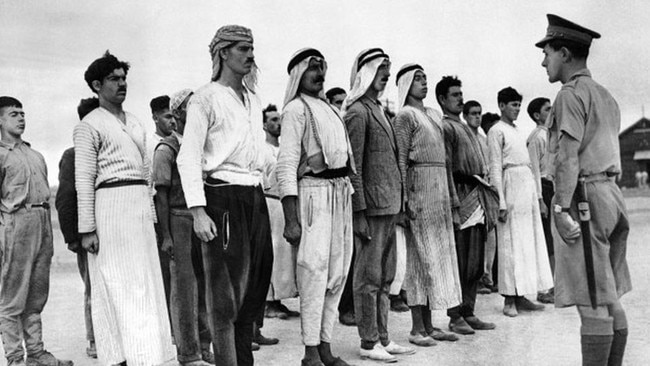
(28, 206)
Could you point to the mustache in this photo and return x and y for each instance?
(385, 78)
(251, 60)
(319, 78)
(120, 89)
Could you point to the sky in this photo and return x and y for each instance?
(45, 47)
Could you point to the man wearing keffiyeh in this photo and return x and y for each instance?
(377, 203)
(224, 142)
(314, 162)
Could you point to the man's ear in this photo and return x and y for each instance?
(567, 56)
(502, 106)
(96, 85)
(536, 116)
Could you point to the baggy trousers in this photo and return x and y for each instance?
(470, 245)
(237, 265)
(82, 265)
(374, 271)
(324, 254)
(187, 304)
(26, 255)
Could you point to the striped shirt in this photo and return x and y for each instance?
(223, 139)
(106, 150)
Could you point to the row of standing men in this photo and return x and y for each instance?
(342, 181)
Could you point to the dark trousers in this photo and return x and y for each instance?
(346, 305)
(166, 274)
(187, 305)
(547, 197)
(470, 245)
(374, 270)
(237, 265)
(82, 264)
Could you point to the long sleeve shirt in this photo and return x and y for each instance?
(223, 139)
(537, 145)
(507, 149)
(107, 150)
(308, 145)
(23, 176)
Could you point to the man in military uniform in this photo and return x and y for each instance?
(584, 148)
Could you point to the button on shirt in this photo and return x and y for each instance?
(223, 139)
(23, 176)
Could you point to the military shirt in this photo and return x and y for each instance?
(23, 176)
(586, 111)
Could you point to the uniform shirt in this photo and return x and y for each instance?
(23, 176)
(223, 139)
(586, 111)
(270, 178)
(537, 144)
(310, 148)
(107, 150)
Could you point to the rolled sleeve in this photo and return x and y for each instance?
(190, 156)
(293, 129)
(570, 112)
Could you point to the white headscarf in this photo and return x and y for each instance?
(404, 80)
(176, 99)
(297, 65)
(363, 73)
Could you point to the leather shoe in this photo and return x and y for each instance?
(290, 313)
(478, 324)
(395, 349)
(523, 303)
(460, 326)
(347, 319)
(45, 358)
(545, 297)
(264, 341)
(311, 362)
(439, 335)
(509, 308)
(421, 340)
(483, 290)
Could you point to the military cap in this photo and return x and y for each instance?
(560, 28)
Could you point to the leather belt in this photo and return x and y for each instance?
(122, 183)
(599, 177)
(330, 173)
(29, 206)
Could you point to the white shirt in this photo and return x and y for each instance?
(223, 139)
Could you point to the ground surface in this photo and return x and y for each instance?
(550, 337)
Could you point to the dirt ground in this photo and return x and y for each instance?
(550, 337)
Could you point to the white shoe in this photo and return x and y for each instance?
(377, 353)
(395, 349)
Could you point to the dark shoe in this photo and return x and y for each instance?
(509, 308)
(255, 347)
(524, 304)
(290, 313)
(208, 356)
(545, 298)
(347, 319)
(440, 335)
(478, 324)
(264, 341)
(337, 362)
(311, 362)
(398, 305)
(91, 350)
(46, 359)
(18, 362)
(460, 326)
(273, 310)
(494, 288)
(483, 290)
(421, 340)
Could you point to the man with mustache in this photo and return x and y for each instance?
(523, 260)
(584, 124)
(116, 216)
(377, 203)
(313, 167)
(471, 210)
(25, 242)
(221, 164)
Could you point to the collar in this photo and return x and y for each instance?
(370, 100)
(453, 118)
(11, 146)
(579, 73)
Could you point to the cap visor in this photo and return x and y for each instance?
(543, 42)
